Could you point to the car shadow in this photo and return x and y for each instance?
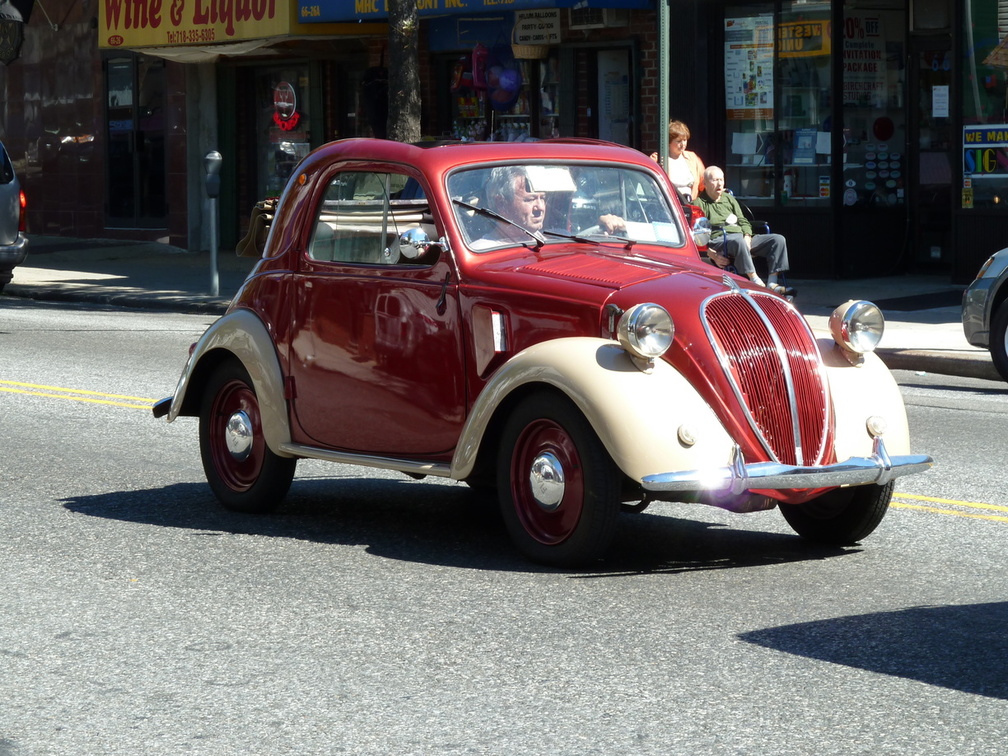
(449, 524)
(960, 647)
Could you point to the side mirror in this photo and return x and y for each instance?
(414, 244)
(701, 232)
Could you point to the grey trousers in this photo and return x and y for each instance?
(771, 246)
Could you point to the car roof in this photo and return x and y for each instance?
(436, 158)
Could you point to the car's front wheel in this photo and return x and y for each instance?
(841, 517)
(241, 469)
(999, 340)
(557, 485)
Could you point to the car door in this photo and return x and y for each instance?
(376, 348)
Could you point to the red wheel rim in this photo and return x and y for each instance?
(238, 471)
(555, 523)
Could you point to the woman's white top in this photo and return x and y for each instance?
(680, 175)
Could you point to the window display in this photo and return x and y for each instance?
(778, 100)
(501, 98)
(780, 105)
(874, 123)
(985, 108)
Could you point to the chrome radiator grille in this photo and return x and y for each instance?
(773, 365)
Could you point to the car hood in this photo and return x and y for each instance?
(737, 366)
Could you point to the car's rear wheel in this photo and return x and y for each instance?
(999, 340)
(557, 485)
(241, 469)
(840, 517)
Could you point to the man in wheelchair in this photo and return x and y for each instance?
(732, 241)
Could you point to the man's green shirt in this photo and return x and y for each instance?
(721, 211)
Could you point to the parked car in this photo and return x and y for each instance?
(579, 364)
(13, 243)
(984, 312)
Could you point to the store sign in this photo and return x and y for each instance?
(985, 151)
(153, 23)
(537, 27)
(800, 39)
(326, 11)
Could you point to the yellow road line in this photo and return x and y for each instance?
(953, 502)
(77, 395)
(953, 512)
(932, 500)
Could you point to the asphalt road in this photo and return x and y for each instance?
(375, 614)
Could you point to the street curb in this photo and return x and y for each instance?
(964, 365)
(186, 305)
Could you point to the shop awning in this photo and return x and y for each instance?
(327, 11)
(201, 32)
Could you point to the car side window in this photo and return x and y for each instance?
(362, 216)
(6, 169)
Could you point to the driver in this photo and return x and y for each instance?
(510, 194)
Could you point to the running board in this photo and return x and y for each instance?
(409, 466)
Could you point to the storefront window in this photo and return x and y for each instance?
(135, 92)
(778, 102)
(874, 121)
(750, 169)
(284, 125)
(985, 106)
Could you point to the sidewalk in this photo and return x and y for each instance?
(923, 328)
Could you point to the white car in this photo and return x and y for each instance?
(984, 312)
(13, 243)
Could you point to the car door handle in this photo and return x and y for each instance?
(442, 302)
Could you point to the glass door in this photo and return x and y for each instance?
(135, 187)
(933, 140)
(284, 124)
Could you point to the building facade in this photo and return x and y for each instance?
(872, 133)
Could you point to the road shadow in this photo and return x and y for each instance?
(963, 647)
(446, 524)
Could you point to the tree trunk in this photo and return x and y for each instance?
(404, 72)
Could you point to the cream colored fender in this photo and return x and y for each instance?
(650, 423)
(860, 392)
(245, 336)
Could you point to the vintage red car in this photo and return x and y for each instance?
(535, 319)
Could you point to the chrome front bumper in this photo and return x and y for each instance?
(740, 477)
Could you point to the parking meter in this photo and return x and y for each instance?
(212, 162)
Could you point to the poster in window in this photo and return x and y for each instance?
(749, 49)
(864, 60)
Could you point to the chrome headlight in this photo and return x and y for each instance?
(857, 326)
(646, 330)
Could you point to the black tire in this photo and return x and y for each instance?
(841, 517)
(248, 476)
(579, 525)
(999, 340)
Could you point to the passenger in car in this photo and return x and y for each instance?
(732, 241)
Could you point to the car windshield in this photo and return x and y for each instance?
(536, 204)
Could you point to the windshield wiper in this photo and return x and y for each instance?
(534, 235)
(628, 243)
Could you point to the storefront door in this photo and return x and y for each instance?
(614, 96)
(135, 194)
(283, 124)
(931, 79)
